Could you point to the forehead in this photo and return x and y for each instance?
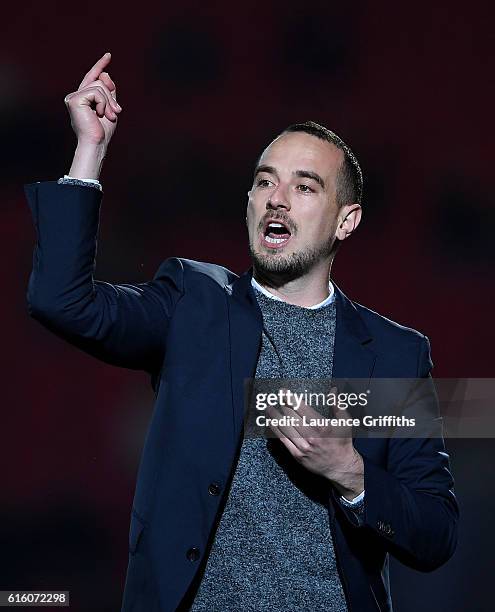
(301, 151)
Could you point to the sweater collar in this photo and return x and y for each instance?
(328, 300)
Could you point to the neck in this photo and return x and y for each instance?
(306, 290)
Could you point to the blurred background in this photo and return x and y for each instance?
(205, 87)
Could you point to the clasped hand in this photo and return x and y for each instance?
(322, 448)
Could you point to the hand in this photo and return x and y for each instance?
(325, 450)
(93, 108)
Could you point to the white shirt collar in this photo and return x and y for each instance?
(327, 300)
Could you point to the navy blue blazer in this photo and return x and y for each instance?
(196, 328)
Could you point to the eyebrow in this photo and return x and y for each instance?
(311, 175)
(300, 173)
(264, 168)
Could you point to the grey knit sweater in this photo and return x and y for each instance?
(273, 550)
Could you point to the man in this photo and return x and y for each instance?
(220, 521)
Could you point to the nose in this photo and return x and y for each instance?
(278, 199)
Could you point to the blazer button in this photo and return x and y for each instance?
(193, 554)
(214, 488)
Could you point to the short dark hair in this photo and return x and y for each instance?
(350, 176)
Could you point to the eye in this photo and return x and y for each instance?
(263, 183)
(305, 188)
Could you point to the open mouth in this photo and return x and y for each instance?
(276, 234)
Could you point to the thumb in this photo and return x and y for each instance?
(341, 411)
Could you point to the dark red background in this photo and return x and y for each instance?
(204, 88)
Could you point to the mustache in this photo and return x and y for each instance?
(287, 221)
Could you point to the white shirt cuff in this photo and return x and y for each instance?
(356, 500)
(94, 181)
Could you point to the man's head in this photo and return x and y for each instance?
(304, 201)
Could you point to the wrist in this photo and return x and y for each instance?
(88, 161)
(349, 479)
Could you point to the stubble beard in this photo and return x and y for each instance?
(277, 269)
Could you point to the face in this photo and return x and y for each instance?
(292, 215)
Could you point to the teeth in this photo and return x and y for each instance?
(275, 225)
(275, 240)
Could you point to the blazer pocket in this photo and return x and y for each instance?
(135, 532)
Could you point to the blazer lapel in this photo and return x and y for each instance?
(352, 357)
(246, 324)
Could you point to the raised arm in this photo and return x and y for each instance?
(121, 324)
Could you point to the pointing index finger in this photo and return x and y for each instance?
(95, 71)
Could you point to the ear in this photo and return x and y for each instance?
(348, 219)
(249, 199)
